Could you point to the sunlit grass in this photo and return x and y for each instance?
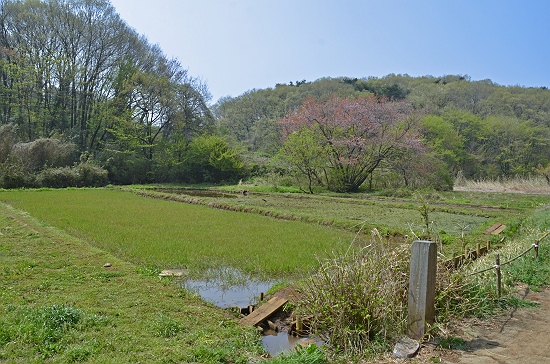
(61, 305)
(169, 234)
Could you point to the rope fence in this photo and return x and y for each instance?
(498, 264)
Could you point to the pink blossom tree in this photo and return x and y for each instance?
(355, 134)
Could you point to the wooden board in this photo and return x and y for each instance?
(264, 311)
(499, 230)
(495, 229)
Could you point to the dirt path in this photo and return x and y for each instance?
(519, 336)
(516, 337)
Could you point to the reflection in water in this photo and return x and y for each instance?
(240, 295)
(276, 343)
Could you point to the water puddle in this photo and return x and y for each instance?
(223, 296)
(276, 343)
(229, 288)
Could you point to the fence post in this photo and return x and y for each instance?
(536, 250)
(421, 310)
(499, 276)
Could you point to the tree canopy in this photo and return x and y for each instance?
(356, 135)
(76, 72)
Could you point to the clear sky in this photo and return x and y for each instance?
(238, 45)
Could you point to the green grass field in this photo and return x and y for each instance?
(58, 304)
(450, 214)
(166, 234)
(61, 305)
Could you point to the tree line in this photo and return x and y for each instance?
(75, 77)
(473, 129)
(85, 100)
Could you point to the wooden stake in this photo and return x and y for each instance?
(499, 276)
(299, 325)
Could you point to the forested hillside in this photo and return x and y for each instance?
(475, 129)
(85, 100)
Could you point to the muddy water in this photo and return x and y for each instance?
(241, 295)
(197, 192)
(276, 343)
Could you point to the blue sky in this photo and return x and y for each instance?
(238, 45)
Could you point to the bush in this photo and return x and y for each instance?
(86, 174)
(8, 138)
(42, 153)
(91, 175)
(12, 175)
(211, 159)
(57, 177)
(358, 301)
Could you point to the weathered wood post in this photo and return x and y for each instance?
(422, 288)
(499, 274)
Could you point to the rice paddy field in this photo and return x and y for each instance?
(268, 234)
(61, 303)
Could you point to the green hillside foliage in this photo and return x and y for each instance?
(77, 84)
(472, 129)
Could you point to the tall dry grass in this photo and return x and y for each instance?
(357, 301)
(523, 184)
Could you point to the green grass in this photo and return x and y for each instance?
(167, 234)
(449, 213)
(58, 304)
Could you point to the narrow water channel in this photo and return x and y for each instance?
(246, 292)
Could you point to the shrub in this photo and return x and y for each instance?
(57, 177)
(91, 175)
(211, 159)
(358, 301)
(12, 175)
(85, 174)
(8, 138)
(46, 152)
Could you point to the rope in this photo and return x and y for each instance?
(522, 254)
(535, 245)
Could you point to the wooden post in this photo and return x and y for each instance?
(421, 308)
(499, 275)
(536, 250)
(488, 246)
(299, 326)
(478, 250)
(456, 260)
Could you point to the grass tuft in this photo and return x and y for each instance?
(357, 301)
